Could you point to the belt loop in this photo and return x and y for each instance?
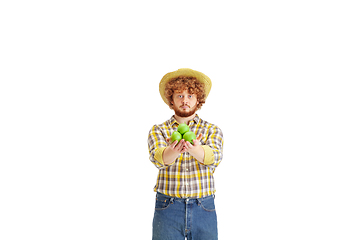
(171, 200)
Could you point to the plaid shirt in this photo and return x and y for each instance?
(186, 177)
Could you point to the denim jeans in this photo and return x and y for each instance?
(177, 218)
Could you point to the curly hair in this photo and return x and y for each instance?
(181, 83)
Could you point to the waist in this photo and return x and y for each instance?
(185, 199)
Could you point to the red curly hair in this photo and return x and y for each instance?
(181, 83)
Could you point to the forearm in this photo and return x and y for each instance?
(169, 155)
(198, 153)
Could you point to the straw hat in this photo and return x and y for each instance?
(188, 73)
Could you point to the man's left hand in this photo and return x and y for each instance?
(188, 147)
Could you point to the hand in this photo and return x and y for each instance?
(188, 146)
(179, 148)
(172, 151)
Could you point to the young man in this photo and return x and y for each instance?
(185, 183)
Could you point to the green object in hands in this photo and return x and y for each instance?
(176, 136)
(189, 136)
(183, 128)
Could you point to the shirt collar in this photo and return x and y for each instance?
(173, 121)
(196, 119)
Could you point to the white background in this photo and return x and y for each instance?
(79, 94)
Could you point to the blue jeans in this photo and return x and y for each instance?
(177, 218)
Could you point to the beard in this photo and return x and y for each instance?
(182, 113)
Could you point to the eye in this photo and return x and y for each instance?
(180, 96)
(190, 96)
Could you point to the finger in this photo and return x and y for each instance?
(174, 144)
(199, 137)
(196, 142)
(188, 145)
(180, 146)
(185, 147)
(169, 141)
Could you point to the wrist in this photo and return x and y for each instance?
(169, 155)
(198, 153)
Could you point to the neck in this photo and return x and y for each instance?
(184, 119)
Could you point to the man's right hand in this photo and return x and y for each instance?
(180, 148)
(173, 151)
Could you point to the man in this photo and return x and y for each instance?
(185, 183)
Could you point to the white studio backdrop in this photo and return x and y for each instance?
(79, 94)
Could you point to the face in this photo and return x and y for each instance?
(184, 103)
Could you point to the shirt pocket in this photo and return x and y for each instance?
(204, 137)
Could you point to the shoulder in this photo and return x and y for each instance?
(210, 130)
(162, 127)
(205, 124)
(212, 133)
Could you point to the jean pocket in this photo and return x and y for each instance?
(162, 203)
(208, 204)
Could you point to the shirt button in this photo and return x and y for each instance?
(187, 169)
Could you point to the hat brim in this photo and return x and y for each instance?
(187, 72)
